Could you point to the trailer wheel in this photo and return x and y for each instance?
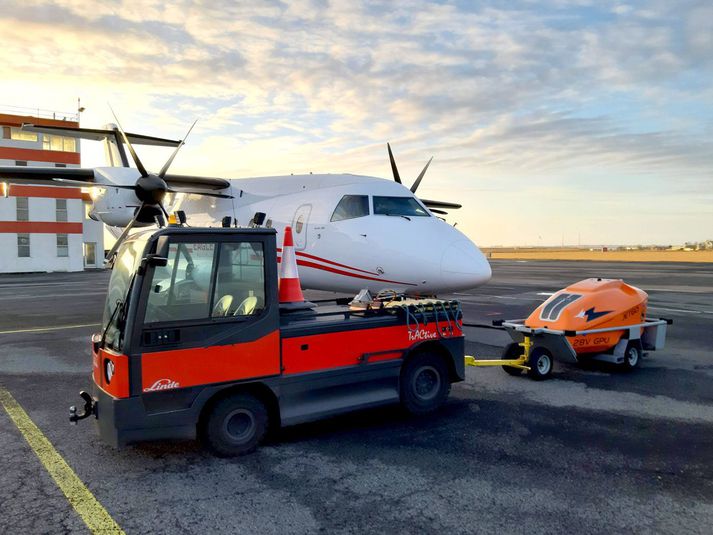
(425, 384)
(540, 363)
(632, 356)
(235, 425)
(511, 352)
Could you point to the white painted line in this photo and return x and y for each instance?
(42, 329)
(46, 296)
(546, 293)
(701, 290)
(687, 311)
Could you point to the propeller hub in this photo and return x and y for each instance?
(151, 188)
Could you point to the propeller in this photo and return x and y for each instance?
(150, 188)
(432, 205)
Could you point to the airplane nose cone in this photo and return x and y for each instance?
(464, 266)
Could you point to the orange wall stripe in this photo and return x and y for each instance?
(37, 155)
(40, 227)
(45, 191)
(18, 120)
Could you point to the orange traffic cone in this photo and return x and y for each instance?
(291, 297)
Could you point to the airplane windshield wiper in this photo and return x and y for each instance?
(399, 215)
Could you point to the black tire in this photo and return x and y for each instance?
(540, 363)
(235, 425)
(511, 352)
(632, 356)
(424, 384)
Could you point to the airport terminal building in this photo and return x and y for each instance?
(44, 227)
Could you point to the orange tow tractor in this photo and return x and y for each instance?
(598, 319)
(198, 339)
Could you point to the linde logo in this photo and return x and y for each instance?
(162, 384)
(422, 334)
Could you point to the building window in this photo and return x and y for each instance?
(23, 209)
(21, 163)
(62, 245)
(58, 143)
(61, 209)
(23, 246)
(21, 135)
(60, 165)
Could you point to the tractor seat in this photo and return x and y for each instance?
(222, 307)
(247, 307)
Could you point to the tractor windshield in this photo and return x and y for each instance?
(125, 266)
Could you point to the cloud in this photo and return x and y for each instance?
(499, 93)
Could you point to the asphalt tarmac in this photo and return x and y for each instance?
(593, 450)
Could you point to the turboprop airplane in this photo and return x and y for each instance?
(351, 232)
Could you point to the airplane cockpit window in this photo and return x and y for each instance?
(406, 206)
(351, 206)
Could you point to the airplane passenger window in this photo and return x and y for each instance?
(407, 206)
(351, 206)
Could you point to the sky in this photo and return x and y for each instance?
(550, 121)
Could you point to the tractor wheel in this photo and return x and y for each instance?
(511, 352)
(632, 356)
(540, 363)
(424, 384)
(235, 425)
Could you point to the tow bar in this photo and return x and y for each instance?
(519, 362)
(90, 408)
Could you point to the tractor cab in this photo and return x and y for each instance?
(185, 285)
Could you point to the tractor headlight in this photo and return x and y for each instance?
(109, 370)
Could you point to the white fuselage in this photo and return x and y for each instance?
(413, 254)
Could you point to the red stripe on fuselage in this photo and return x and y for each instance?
(299, 253)
(307, 255)
(334, 263)
(306, 263)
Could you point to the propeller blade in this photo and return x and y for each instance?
(437, 211)
(198, 182)
(163, 210)
(135, 156)
(123, 236)
(200, 192)
(420, 177)
(39, 175)
(441, 204)
(81, 184)
(394, 170)
(164, 169)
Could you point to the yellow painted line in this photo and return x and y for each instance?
(58, 328)
(85, 504)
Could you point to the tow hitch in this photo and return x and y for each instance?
(90, 407)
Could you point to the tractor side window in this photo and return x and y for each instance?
(240, 281)
(181, 289)
(351, 206)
